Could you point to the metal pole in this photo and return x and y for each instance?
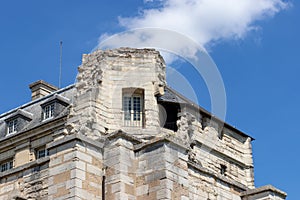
(60, 63)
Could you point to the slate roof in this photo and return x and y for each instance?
(32, 111)
(172, 96)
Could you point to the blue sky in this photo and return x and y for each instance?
(257, 54)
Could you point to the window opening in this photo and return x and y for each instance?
(6, 166)
(133, 107)
(48, 111)
(223, 169)
(12, 126)
(41, 153)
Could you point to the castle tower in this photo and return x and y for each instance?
(121, 133)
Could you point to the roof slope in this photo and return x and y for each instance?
(172, 96)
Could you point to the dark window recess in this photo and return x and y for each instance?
(168, 114)
(103, 187)
(19, 198)
(41, 153)
(6, 166)
(223, 169)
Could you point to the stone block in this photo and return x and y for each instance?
(94, 170)
(62, 168)
(164, 194)
(78, 173)
(62, 177)
(55, 160)
(74, 183)
(95, 152)
(142, 190)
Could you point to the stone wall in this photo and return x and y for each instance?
(28, 181)
(100, 81)
(75, 169)
(94, 155)
(213, 146)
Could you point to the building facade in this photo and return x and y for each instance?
(121, 133)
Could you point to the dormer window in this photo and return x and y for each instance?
(12, 126)
(17, 121)
(53, 107)
(48, 111)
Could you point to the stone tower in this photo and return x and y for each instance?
(105, 78)
(121, 133)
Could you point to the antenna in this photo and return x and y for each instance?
(60, 63)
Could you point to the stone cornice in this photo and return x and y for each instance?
(122, 134)
(78, 137)
(166, 139)
(266, 188)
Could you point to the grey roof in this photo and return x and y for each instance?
(23, 113)
(32, 111)
(172, 96)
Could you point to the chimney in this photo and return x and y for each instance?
(40, 89)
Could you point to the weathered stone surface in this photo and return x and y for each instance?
(94, 154)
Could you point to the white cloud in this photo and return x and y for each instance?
(203, 21)
(185, 27)
(206, 20)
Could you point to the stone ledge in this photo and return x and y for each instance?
(122, 134)
(169, 139)
(18, 197)
(72, 137)
(266, 188)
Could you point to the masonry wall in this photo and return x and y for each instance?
(161, 169)
(206, 186)
(213, 146)
(93, 155)
(30, 182)
(100, 81)
(120, 170)
(75, 169)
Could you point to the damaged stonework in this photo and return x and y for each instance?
(101, 80)
(121, 133)
(185, 127)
